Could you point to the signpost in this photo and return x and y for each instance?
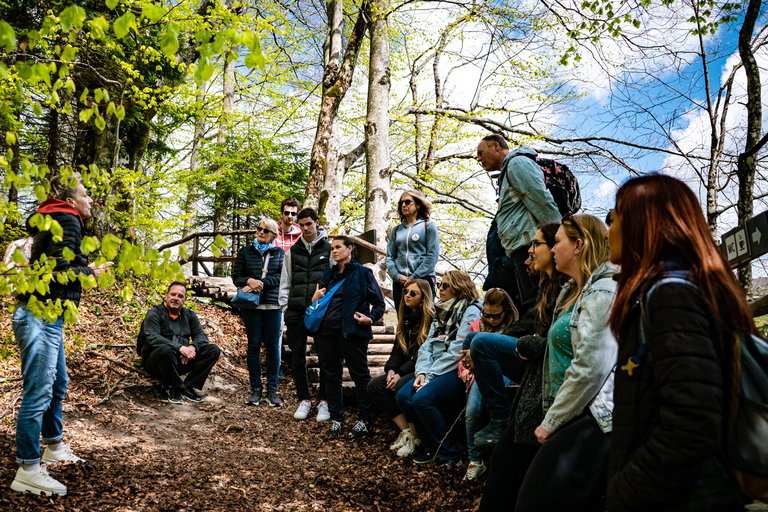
(748, 241)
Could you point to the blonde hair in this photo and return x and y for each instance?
(427, 312)
(271, 225)
(498, 297)
(591, 231)
(462, 285)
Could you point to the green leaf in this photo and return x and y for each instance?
(111, 4)
(72, 17)
(69, 53)
(120, 112)
(56, 229)
(99, 27)
(3, 71)
(100, 123)
(37, 109)
(216, 251)
(123, 24)
(89, 244)
(109, 246)
(219, 241)
(169, 43)
(67, 254)
(10, 138)
(153, 12)
(18, 257)
(106, 280)
(40, 193)
(126, 293)
(7, 37)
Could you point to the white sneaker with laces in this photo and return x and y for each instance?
(303, 410)
(475, 470)
(37, 482)
(63, 454)
(323, 414)
(409, 447)
(400, 441)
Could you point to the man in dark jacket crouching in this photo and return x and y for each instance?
(172, 343)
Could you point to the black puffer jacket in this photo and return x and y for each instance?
(403, 363)
(249, 264)
(668, 418)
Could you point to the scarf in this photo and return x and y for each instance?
(448, 315)
(262, 248)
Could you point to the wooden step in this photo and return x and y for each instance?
(373, 360)
(373, 349)
(314, 374)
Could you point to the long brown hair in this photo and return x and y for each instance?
(550, 285)
(659, 215)
(427, 312)
(498, 297)
(590, 230)
(462, 285)
(423, 204)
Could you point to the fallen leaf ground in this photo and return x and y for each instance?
(144, 454)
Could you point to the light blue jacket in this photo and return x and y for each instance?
(413, 250)
(524, 201)
(589, 379)
(436, 357)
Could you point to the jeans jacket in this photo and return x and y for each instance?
(589, 379)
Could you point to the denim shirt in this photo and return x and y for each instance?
(436, 357)
(589, 380)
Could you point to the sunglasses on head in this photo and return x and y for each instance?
(570, 220)
(410, 293)
(292, 214)
(260, 229)
(494, 317)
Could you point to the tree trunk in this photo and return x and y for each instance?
(378, 190)
(220, 202)
(747, 163)
(331, 196)
(336, 82)
(191, 203)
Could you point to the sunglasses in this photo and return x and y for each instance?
(443, 285)
(405, 202)
(260, 229)
(494, 317)
(569, 219)
(410, 293)
(291, 214)
(536, 243)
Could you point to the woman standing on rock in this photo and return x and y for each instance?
(345, 331)
(413, 245)
(414, 319)
(263, 323)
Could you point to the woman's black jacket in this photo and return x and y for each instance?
(404, 362)
(249, 264)
(668, 418)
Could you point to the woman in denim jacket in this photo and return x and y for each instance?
(569, 470)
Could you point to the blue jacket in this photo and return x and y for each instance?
(524, 201)
(413, 250)
(360, 292)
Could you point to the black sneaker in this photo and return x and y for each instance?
(451, 465)
(423, 458)
(191, 395)
(272, 398)
(281, 374)
(255, 397)
(174, 395)
(335, 429)
(361, 430)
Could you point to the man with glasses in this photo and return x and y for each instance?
(303, 268)
(288, 232)
(524, 203)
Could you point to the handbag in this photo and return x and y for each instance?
(315, 313)
(249, 300)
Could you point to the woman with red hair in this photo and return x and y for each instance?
(675, 336)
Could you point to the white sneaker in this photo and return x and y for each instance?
(400, 441)
(63, 454)
(323, 414)
(409, 447)
(303, 410)
(37, 482)
(475, 470)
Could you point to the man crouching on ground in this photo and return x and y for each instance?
(172, 343)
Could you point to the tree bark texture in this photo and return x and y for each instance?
(220, 202)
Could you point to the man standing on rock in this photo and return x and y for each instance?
(172, 343)
(524, 203)
(303, 268)
(41, 341)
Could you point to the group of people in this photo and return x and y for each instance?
(594, 381)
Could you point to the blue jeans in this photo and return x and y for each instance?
(495, 357)
(423, 409)
(44, 371)
(474, 420)
(263, 326)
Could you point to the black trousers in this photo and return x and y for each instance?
(333, 350)
(164, 363)
(509, 272)
(509, 464)
(296, 336)
(570, 470)
(384, 398)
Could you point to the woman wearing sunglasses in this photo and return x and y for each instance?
(414, 320)
(569, 471)
(437, 388)
(413, 245)
(498, 314)
(263, 323)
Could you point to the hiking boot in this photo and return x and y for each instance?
(411, 443)
(335, 429)
(323, 414)
(401, 440)
(423, 458)
(491, 434)
(37, 482)
(451, 465)
(475, 470)
(191, 395)
(281, 374)
(63, 454)
(174, 395)
(272, 399)
(361, 430)
(303, 410)
(255, 398)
